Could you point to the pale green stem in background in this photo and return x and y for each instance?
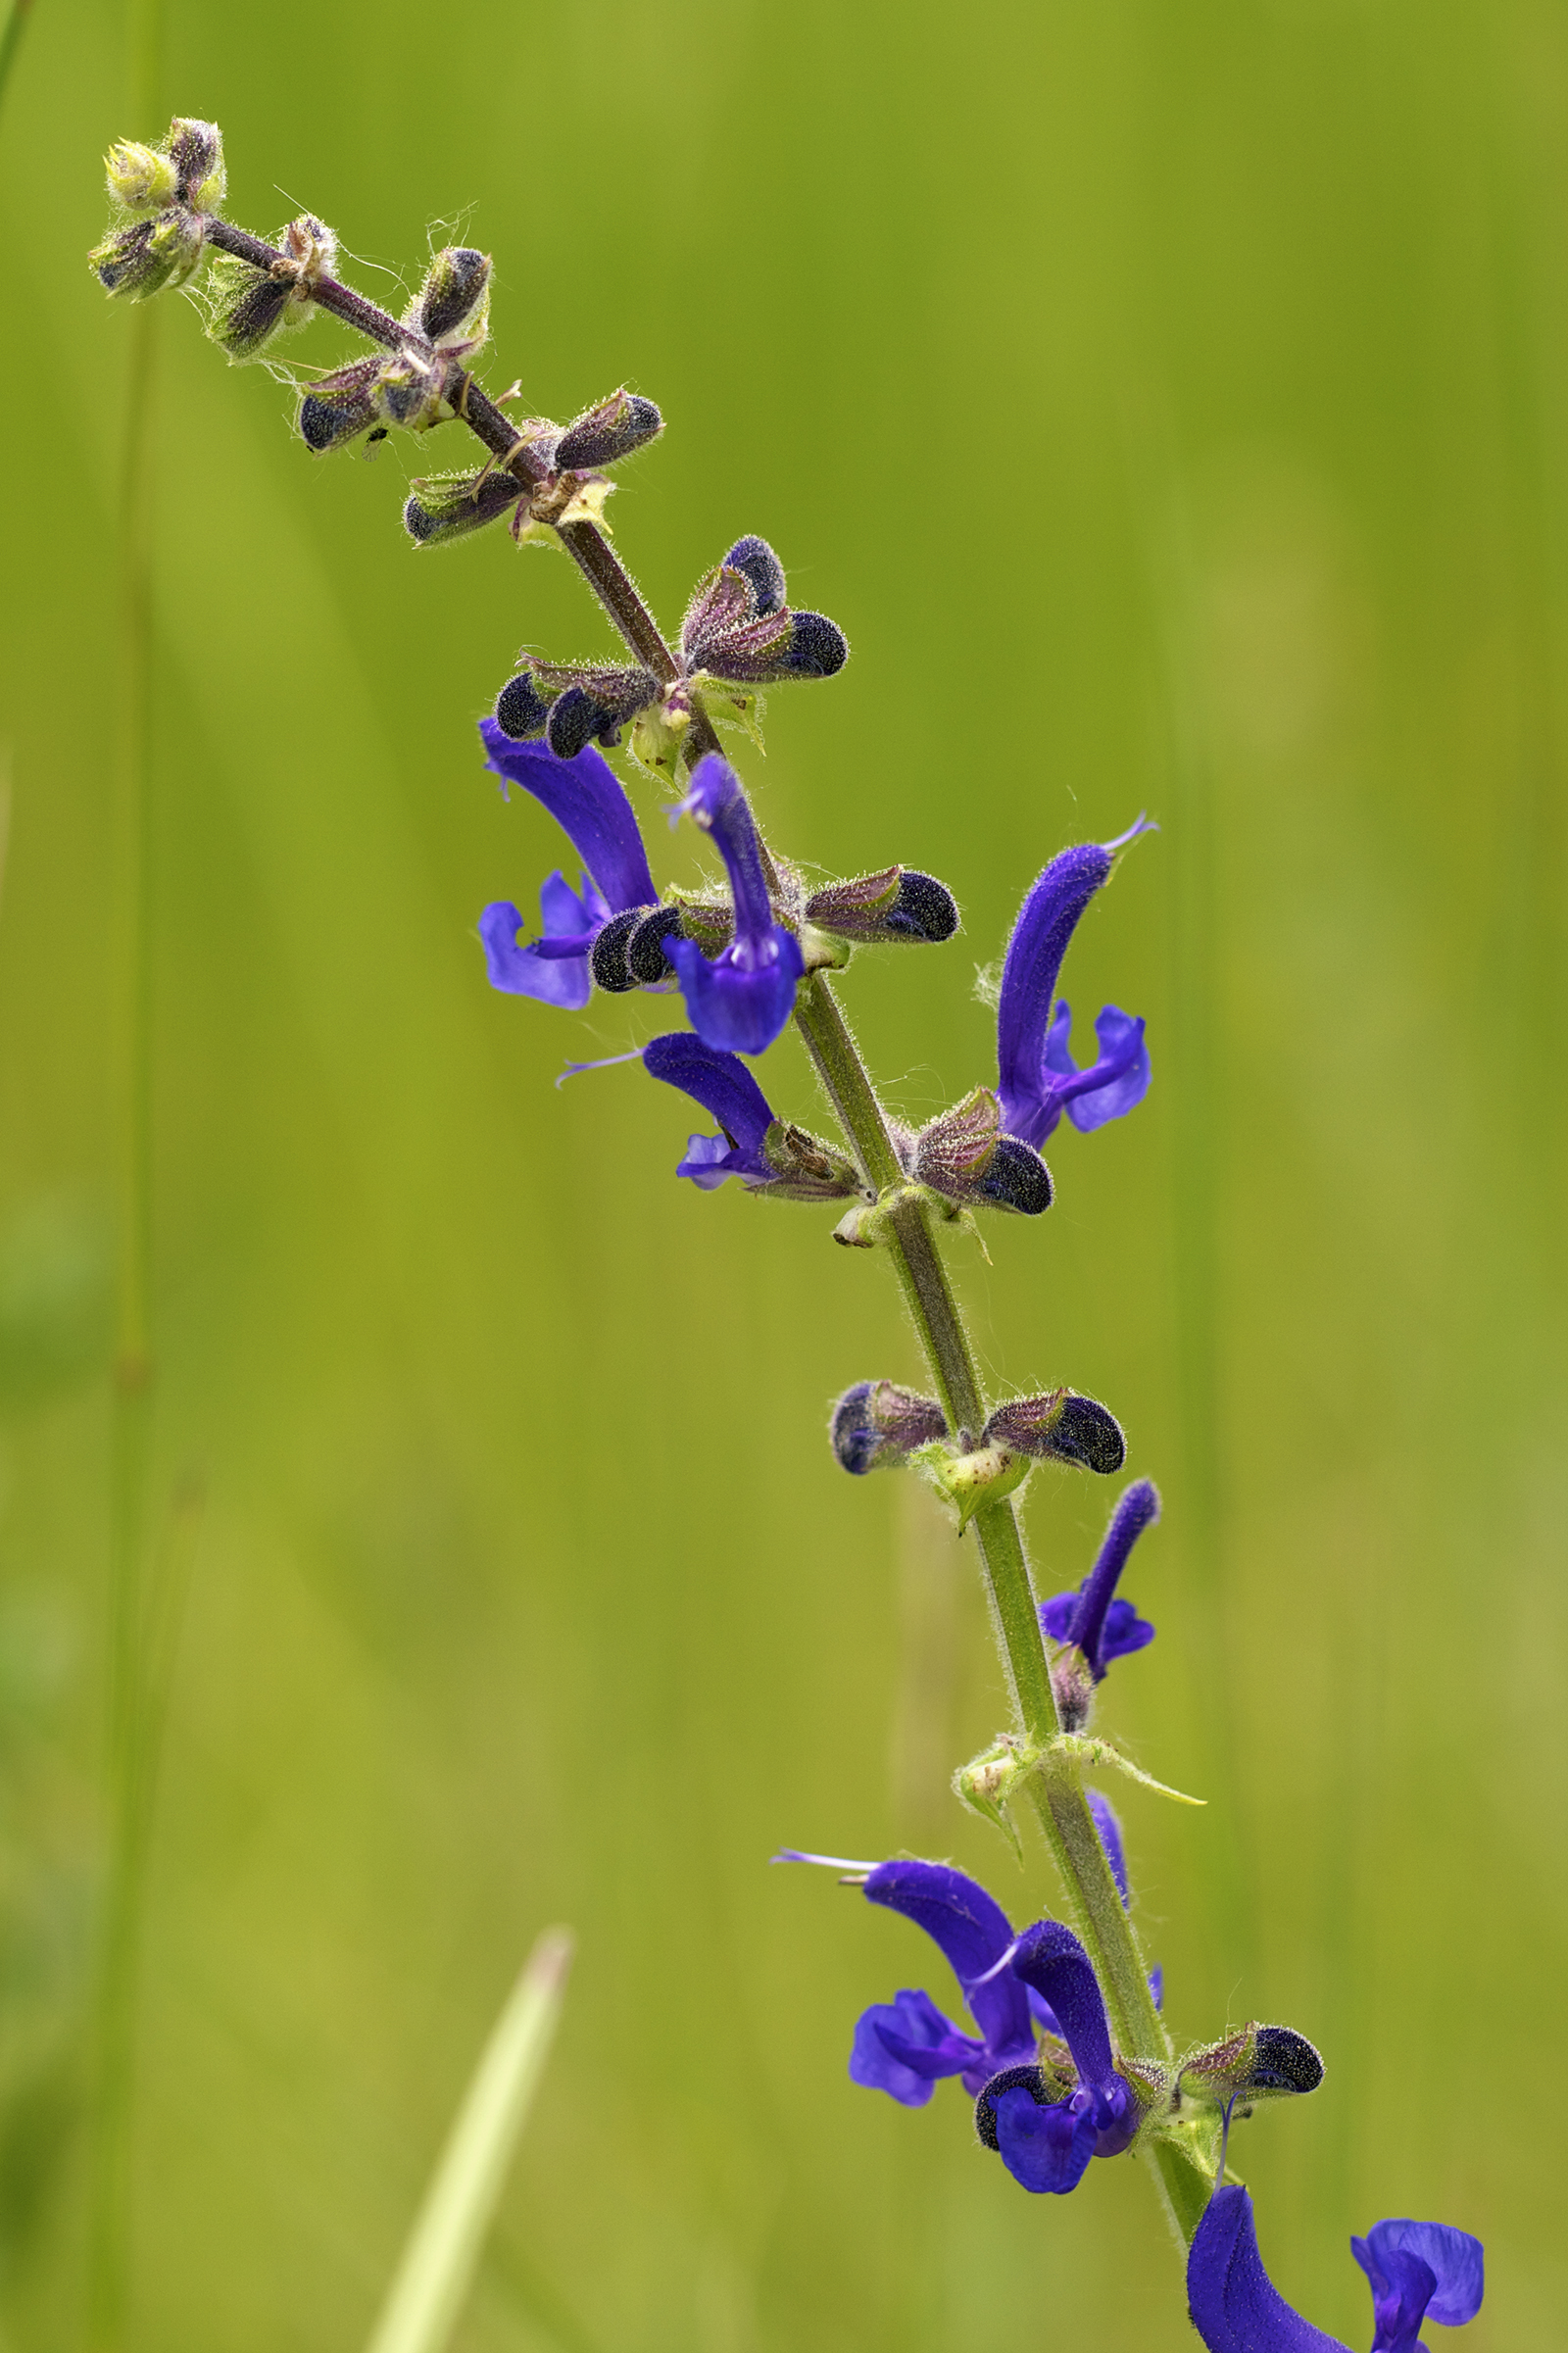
(109, 2188)
(432, 2279)
(11, 41)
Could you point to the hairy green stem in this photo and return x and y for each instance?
(1056, 1788)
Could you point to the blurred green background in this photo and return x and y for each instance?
(1172, 404)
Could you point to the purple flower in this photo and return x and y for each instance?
(743, 998)
(584, 798)
(1418, 2271)
(1038, 1077)
(904, 2046)
(724, 1086)
(767, 1154)
(1044, 2142)
(1101, 1626)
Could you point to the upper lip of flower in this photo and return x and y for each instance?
(742, 998)
(587, 800)
(1036, 1075)
(1416, 2269)
(1084, 1617)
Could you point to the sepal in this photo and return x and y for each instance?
(246, 308)
(968, 1481)
(1063, 1427)
(877, 1425)
(445, 507)
(454, 303)
(140, 178)
(805, 1168)
(140, 261)
(196, 151)
(896, 905)
(1260, 2063)
(608, 432)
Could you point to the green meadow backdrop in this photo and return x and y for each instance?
(1172, 405)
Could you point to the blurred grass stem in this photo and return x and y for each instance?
(11, 42)
(109, 2211)
(427, 2291)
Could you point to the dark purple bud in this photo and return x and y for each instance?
(1063, 1427)
(337, 408)
(605, 434)
(818, 646)
(1258, 2063)
(953, 1152)
(877, 1425)
(455, 287)
(140, 261)
(756, 560)
(450, 505)
(196, 151)
(521, 710)
(891, 905)
(594, 706)
(926, 908)
(1016, 1179)
(607, 958)
(576, 720)
(253, 313)
(646, 959)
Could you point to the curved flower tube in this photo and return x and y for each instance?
(1046, 2145)
(587, 801)
(1417, 2271)
(743, 999)
(1094, 1618)
(1038, 1079)
(906, 2046)
(724, 1086)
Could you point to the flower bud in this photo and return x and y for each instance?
(593, 705)
(895, 905)
(454, 295)
(757, 563)
(1063, 1427)
(605, 434)
(410, 389)
(1260, 2063)
(142, 178)
(521, 710)
(1017, 1178)
(877, 1424)
(338, 407)
(444, 507)
(140, 262)
(646, 959)
(607, 958)
(196, 151)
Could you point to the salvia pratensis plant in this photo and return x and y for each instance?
(1062, 2045)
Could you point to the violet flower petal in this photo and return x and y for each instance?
(974, 1934)
(1046, 2149)
(522, 971)
(1112, 1085)
(1040, 940)
(1137, 1509)
(1109, 1830)
(586, 799)
(1049, 1958)
(736, 1006)
(1232, 2303)
(906, 2046)
(1454, 2260)
(722, 1085)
